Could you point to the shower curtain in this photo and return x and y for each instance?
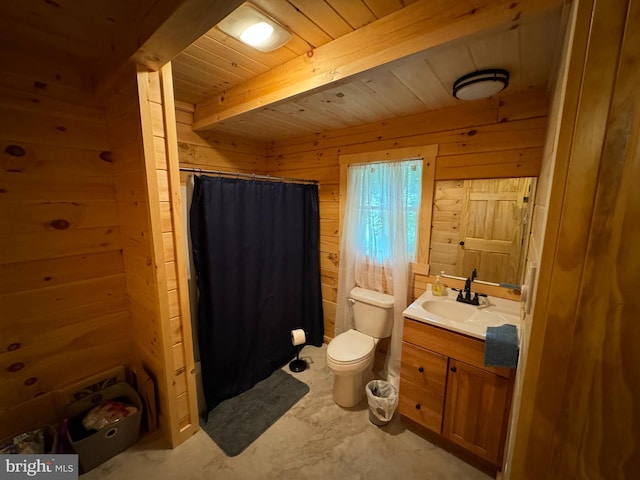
(256, 253)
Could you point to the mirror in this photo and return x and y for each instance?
(482, 224)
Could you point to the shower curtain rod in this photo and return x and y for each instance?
(248, 175)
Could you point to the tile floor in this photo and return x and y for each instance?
(316, 439)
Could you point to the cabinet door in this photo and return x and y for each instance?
(422, 384)
(476, 410)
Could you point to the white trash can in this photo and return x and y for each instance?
(383, 401)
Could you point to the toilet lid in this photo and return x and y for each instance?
(350, 346)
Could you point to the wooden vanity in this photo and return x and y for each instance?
(445, 387)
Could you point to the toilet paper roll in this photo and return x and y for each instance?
(298, 337)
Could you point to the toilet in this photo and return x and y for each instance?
(350, 354)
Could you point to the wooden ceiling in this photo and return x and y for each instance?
(349, 62)
(217, 63)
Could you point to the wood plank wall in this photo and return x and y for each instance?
(538, 227)
(579, 413)
(213, 151)
(489, 138)
(445, 235)
(63, 293)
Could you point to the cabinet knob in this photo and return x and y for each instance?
(420, 369)
(417, 406)
(454, 369)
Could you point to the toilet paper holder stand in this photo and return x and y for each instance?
(298, 365)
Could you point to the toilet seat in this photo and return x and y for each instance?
(350, 348)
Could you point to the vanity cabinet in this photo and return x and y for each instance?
(445, 387)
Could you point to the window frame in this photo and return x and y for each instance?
(427, 153)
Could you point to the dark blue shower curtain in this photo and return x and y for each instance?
(256, 253)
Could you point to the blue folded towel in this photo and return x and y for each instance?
(501, 346)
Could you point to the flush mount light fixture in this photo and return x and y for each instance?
(481, 84)
(251, 26)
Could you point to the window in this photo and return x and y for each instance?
(383, 190)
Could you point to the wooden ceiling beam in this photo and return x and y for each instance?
(157, 35)
(418, 27)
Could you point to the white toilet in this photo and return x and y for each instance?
(350, 354)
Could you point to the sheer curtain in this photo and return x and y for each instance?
(375, 240)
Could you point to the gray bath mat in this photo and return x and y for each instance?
(237, 422)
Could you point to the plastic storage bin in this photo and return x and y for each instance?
(110, 440)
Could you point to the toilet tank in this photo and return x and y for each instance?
(372, 312)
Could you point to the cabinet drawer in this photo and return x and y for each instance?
(424, 368)
(451, 344)
(421, 405)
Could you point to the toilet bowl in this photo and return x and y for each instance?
(350, 355)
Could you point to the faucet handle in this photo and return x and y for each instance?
(476, 298)
(460, 296)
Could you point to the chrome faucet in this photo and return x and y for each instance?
(466, 296)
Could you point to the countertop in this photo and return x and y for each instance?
(446, 312)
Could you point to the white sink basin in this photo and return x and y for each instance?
(471, 320)
(455, 311)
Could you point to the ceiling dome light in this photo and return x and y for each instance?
(481, 84)
(254, 28)
(256, 34)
